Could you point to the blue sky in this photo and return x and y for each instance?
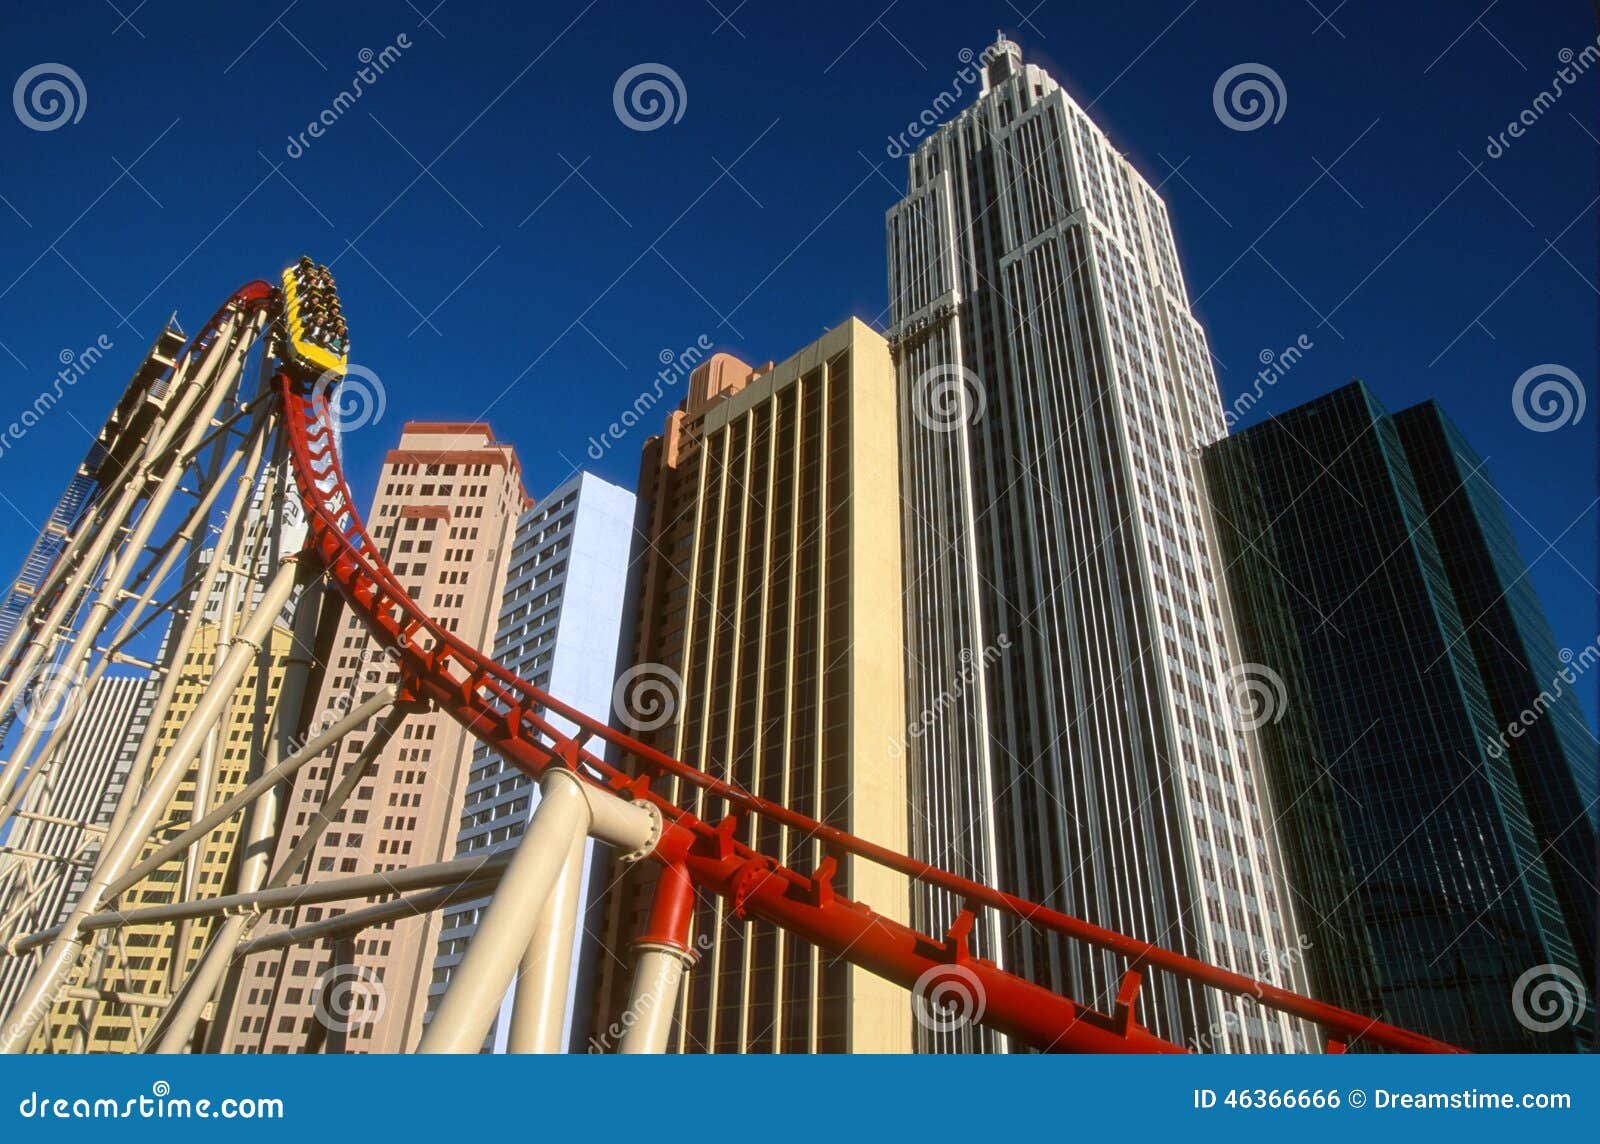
(508, 249)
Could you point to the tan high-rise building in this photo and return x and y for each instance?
(144, 959)
(444, 515)
(770, 600)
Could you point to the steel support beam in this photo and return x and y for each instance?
(116, 997)
(399, 881)
(219, 954)
(170, 467)
(361, 767)
(563, 817)
(539, 1007)
(220, 813)
(122, 850)
(663, 955)
(357, 920)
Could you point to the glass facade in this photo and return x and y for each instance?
(1554, 753)
(1441, 847)
(769, 575)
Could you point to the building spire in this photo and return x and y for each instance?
(1002, 61)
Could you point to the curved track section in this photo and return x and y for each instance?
(513, 717)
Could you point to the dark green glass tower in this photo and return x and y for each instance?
(1530, 683)
(1367, 553)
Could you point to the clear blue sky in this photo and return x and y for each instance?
(501, 284)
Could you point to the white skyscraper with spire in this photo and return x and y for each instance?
(1066, 618)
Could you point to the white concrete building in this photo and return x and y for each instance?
(1074, 733)
(562, 626)
(45, 861)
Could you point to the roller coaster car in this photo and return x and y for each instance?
(316, 338)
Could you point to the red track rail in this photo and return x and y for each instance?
(511, 716)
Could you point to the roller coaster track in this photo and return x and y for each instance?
(514, 718)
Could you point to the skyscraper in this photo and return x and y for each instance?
(446, 507)
(47, 859)
(1069, 638)
(769, 652)
(1554, 756)
(1389, 539)
(562, 625)
(150, 959)
(153, 959)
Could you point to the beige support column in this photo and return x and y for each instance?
(464, 1016)
(109, 595)
(568, 810)
(539, 1010)
(657, 980)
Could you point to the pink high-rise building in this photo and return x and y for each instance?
(444, 515)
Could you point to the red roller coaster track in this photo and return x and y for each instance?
(512, 717)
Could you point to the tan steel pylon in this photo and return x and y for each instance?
(164, 467)
(122, 851)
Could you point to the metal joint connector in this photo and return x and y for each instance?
(657, 827)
